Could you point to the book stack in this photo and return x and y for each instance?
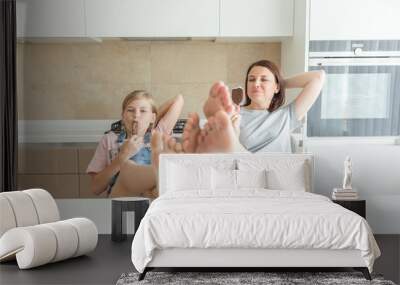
(344, 194)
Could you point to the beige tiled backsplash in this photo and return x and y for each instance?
(78, 81)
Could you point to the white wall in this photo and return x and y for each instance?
(376, 175)
(98, 210)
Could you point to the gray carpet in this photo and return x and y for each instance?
(269, 278)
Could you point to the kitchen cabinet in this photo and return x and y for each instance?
(256, 18)
(103, 17)
(50, 18)
(152, 18)
(354, 19)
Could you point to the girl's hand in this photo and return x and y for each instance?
(130, 147)
(133, 130)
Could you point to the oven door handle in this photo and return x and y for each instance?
(371, 61)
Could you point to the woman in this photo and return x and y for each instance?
(121, 164)
(265, 124)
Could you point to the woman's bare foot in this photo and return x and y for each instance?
(161, 143)
(218, 99)
(191, 133)
(218, 135)
(171, 145)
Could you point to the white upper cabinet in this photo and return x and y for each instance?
(256, 18)
(354, 19)
(103, 17)
(155, 18)
(152, 18)
(50, 18)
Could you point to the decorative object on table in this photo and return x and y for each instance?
(138, 205)
(32, 233)
(347, 174)
(346, 192)
(244, 278)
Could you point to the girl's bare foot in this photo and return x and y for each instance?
(161, 143)
(171, 145)
(191, 133)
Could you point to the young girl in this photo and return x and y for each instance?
(121, 164)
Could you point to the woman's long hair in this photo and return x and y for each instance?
(279, 98)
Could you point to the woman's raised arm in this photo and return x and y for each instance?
(311, 82)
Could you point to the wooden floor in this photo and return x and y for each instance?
(111, 259)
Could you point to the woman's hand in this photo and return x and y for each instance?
(130, 147)
(235, 119)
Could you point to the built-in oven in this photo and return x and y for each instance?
(361, 94)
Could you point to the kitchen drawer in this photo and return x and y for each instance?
(47, 160)
(59, 185)
(85, 155)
